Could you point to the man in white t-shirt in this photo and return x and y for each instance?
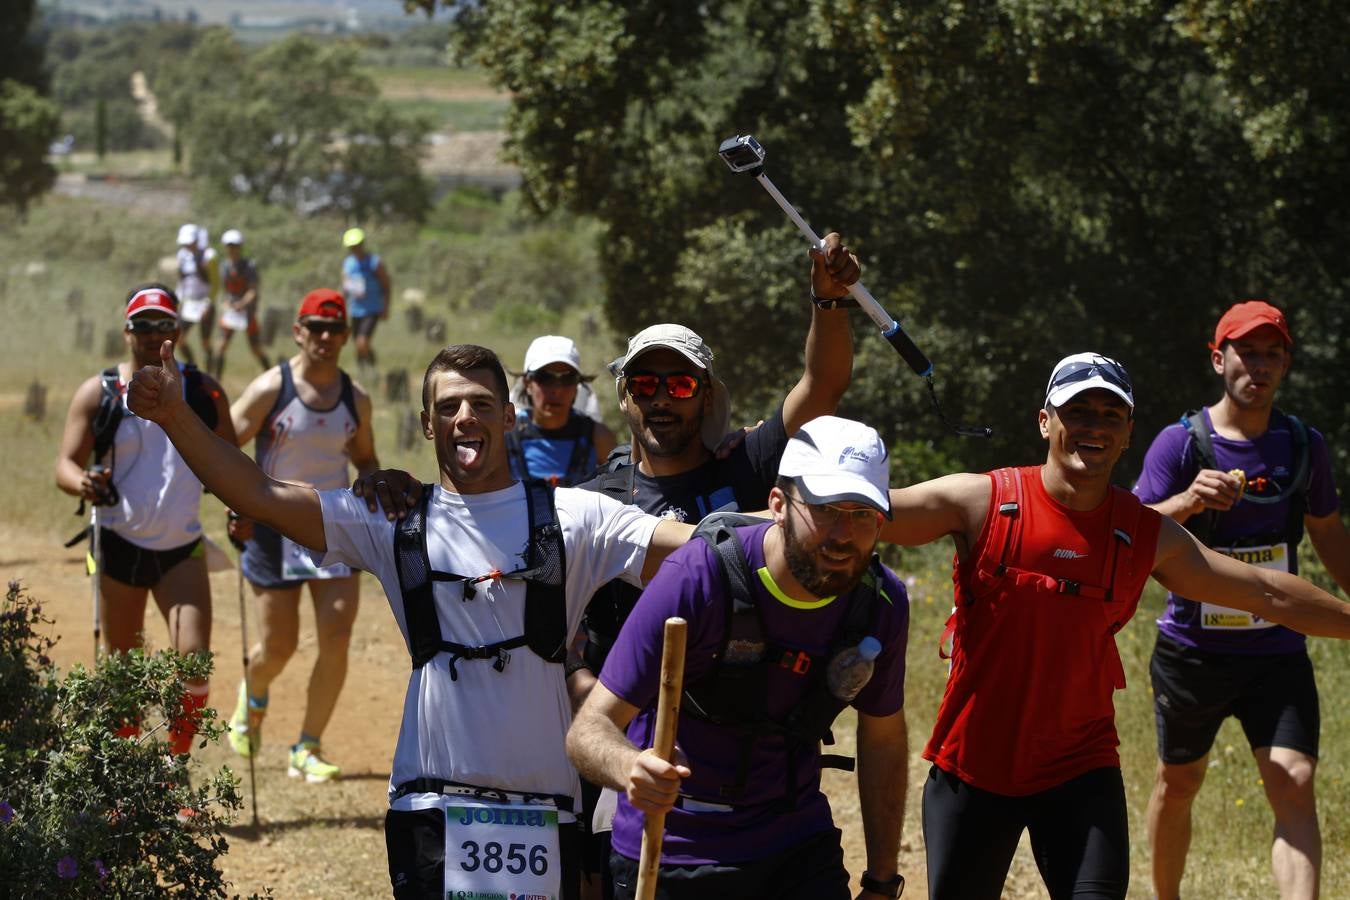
(480, 751)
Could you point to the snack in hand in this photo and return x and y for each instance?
(1241, 476)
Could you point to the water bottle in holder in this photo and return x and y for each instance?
(851, 669)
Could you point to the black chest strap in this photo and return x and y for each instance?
(544, 574)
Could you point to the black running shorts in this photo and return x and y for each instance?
(125, 562)
(1274, 698)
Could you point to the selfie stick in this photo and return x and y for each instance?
(667, 716)
(743, 153)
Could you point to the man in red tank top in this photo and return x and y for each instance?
(1050, 562)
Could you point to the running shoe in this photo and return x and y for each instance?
(245, 732)
(306, 763)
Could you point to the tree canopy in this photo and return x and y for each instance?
(297, 122)
(1022, 179)
(28, 120)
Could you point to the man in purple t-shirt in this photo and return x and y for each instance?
(1248, 479)
(745, 814)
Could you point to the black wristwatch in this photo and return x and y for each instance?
(891, 887)
(845, 302)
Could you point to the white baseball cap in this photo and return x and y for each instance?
(1084, 371)
(549, 349)
(834, 460)
(693, 348)
(233, 237)
(187, 234)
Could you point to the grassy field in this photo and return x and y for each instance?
(491, 278)
(454, 100)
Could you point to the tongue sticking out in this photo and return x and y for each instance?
(467, 452)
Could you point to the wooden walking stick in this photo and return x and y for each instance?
(667, 717)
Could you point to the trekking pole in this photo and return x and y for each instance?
(667, 717)
(96, 553)
(248, 692)
(743, 153)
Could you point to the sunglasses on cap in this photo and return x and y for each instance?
(544, 378)
(679, 385)
(320, 326)
(152, 326)
(1108, 369)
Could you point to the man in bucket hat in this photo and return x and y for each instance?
(678, 411)
(745, 816)
(1247, 479)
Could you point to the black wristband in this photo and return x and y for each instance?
(892, 887)
(574, 667)
(845, 302)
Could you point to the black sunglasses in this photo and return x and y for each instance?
(1108, 369)
(545, 378)
(318, 326)
(152, 326)
(679, 385)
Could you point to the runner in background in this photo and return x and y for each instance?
(239, 284)
(1247, 479)
(366, 286)
(150, 535)
(194, 291)
(555, 439)
(310, 420)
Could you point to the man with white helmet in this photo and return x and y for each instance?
(239, 277)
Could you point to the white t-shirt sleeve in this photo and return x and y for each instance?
(605, 540)
(355, 536)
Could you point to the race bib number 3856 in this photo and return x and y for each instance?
(501, 851)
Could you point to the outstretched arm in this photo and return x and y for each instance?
(829, 342)
(1186, 567)
(1332, 543)
(883, 775)
(156, 394)
(603, 755)
(953, 504)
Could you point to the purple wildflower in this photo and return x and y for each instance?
(6, 812)
(66, 867)
(100, 869)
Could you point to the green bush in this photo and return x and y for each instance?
(84, 812)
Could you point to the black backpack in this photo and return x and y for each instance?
(1200, 449)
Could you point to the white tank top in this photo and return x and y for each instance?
(304, 445)
(160, 500)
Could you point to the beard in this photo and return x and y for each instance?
(673, 440)
(801, 562)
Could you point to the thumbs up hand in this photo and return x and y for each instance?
(156, 392)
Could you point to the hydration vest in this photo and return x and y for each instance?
(1005, 530)
(1200, 447)
(579, 430)
(734, 693)
(544, 575)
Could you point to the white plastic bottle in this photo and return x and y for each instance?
(851, 669)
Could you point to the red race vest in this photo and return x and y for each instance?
(1028, 703)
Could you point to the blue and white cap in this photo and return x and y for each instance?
(834, 460)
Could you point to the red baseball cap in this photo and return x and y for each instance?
(152, 298)
(1247, 316)
(323, 303)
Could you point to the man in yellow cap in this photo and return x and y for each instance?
(365, 285)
